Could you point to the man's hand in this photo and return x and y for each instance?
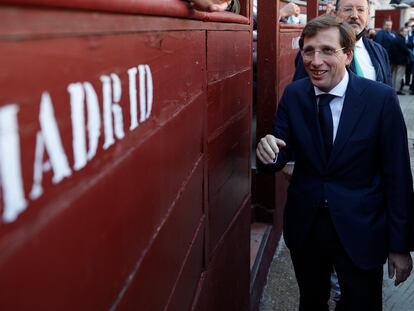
(210, 5)
(400, 265)
(289, 9)
(268, 148)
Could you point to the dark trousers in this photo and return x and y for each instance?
(361, 289)
(408, 67)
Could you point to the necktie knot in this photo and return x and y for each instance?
(325, 99)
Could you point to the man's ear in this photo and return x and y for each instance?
(349, 56)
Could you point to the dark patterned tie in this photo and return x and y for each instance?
(326, 121)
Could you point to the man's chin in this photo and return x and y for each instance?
(356, 28)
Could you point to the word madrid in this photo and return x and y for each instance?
(86, 130)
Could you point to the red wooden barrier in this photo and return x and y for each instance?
(124, 157)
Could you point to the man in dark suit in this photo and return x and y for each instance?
(385, 36)
(349, 203)
(399, 58)
(370, 58)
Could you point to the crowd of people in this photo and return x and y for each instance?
(400, 47)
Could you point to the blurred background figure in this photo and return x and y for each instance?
(407, 78)
(399, 58)
(290, 14)
(216, 5)
(371, 33)
(385, 36)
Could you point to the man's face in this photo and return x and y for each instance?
(355, 12)
(210, 5)
(388, 26)
(326, 66)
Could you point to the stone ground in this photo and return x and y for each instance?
(281, 291)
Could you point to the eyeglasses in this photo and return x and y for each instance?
(349, 10)
(324, 53)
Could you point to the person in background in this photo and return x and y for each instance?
(399, 58)
(407, 78)
(349, 203)
(330, 9)
(410, 46)
(289, 13)
(385, 36)
(215, 5)
(290, 9)
(370, 34)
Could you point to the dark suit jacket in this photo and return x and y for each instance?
(379, 59)
(399, 53)
(385, 38)
(367, 179)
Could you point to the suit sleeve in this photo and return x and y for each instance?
(281, 130)
(379, 37)
(397, 176)
(385, 63)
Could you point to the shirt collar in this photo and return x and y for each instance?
(359, 43)
(339, 90)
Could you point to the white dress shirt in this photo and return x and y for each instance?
(364, 61)
(338, 102)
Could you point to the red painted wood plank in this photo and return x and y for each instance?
(224, 102)
(226, 284)
(186, 285)
(153, 282)
(288, 49)
(229, 176)
(228, 53)
(19, 23)
(174, 8)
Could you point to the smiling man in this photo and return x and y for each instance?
(370, 58)
(349, 203)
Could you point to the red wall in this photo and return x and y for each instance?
(159, 220)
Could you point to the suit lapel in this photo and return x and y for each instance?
(350, 115)
(375, 59)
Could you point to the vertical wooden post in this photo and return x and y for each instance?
(312, 9)
(267, 55)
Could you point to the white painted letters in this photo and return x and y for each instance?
(86, 131)
(111, 108)
(77, 98)
(145, 94)
(132, 73)
(11, 181)
(48, 138)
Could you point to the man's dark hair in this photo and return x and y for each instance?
(346, 32)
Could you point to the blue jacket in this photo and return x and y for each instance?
(379, 59)
(366, 180)
(399, 53)
(385, 38)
